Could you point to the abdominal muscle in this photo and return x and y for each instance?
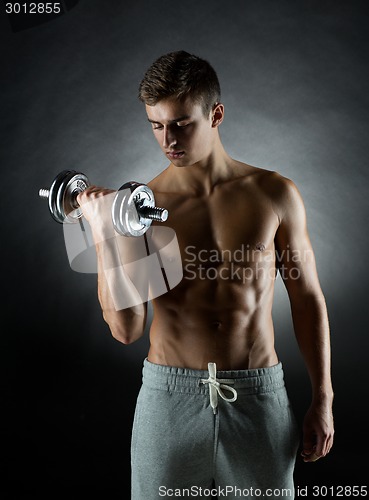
(214, 319)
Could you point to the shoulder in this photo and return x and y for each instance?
(282, 192)
(287, 200)
(159, 182)
(274, 184)
(277, 185)
(270, 180)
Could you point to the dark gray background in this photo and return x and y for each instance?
(294, 80)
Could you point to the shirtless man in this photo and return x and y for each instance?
(213, 411)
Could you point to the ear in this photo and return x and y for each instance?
(217, 114)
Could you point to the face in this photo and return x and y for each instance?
(184, 134)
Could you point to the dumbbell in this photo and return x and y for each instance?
(133, 208)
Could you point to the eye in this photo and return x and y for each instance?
(182, 125)
(157, 127)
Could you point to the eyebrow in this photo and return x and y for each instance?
(179, 119)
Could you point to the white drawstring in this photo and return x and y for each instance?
(216, 386)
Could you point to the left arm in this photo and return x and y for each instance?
(309, 315)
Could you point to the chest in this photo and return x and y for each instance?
(223, 222)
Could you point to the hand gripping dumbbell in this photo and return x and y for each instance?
(133, 208)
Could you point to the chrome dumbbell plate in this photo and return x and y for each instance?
(129, 200)
(73, 184)
(63, 193)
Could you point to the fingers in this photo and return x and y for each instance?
(309, 445)
(310, 455)
(92, 192)
(312, 452)
(318, 432)
(95, 203)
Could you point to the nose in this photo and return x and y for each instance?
(169, 139)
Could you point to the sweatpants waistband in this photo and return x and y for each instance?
(186, 380)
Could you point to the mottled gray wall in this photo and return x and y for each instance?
(294, 78)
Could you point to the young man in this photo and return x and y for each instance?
(213, 411)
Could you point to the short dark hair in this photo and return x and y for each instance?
(180, 75)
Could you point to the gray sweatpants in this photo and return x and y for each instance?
(194, 431)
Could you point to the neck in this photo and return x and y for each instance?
(203, 176)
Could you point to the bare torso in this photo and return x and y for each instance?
(222, 309)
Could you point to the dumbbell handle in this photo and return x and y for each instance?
(153, 213)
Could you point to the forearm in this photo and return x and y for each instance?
(122, 307)
(310, 320)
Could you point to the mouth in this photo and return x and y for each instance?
(175, 155)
